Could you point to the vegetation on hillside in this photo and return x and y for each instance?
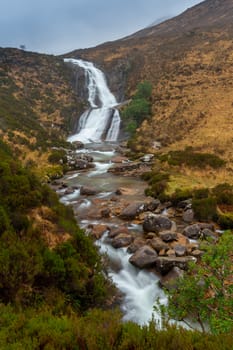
(138, 109)
(205, 294)
(43, 253)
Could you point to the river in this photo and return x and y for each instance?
(99, 129)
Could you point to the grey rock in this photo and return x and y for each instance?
(180, 250)
(87, 191)
(156, 223)
(165, 264)
(168, 236)
(122, 240)
(192, 231)
(144, 257)
(188, 215)
(131, 211)
(158, 244)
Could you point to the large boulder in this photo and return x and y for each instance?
(188, 215)
(131, 211)
(87, 191)
(144, 257)
(136, 244)
(156, 223)
(122, 240)
(192, 231)
(165, 263)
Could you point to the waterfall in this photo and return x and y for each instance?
(101, 122)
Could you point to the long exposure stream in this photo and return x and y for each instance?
(98, 129)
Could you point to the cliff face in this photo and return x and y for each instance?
(189, 61)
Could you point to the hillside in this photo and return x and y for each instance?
(189, 61)
(38, 104)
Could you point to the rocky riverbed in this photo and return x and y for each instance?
(110, 204)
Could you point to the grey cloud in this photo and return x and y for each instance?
(57, 26)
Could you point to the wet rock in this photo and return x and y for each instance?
(97, 231)
(69, 191)
(188, 215)
(158, 245)
(119, 159)
(78, 144)
(180, 250)
(170, 252)
(153, 205)
(87, 191)
(137, 243)
(118, 192)
(165, 264)
(105, 213)
(197, 253)
(124, 167)
(209, 235)
(147, 157)
(185, 204)
(168, 236)
(169, 281)
(192, 231)
(131, 211)
(144, 257)
(181, 239)
(122, 240)
(116, 231)
(204, 225)
(156, 223)
(150, 235)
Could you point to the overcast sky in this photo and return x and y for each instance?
(59, 26)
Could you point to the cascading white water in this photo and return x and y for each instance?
(101, 121)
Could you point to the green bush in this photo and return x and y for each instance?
(205, 208)
(225, 221)
(223, 193)
(180, 195)
(192, 158)
(138, 109)
(57, 156)
(157, 184)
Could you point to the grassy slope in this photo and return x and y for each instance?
(189, 61)
(37, 103)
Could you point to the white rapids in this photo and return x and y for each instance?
(101, 122)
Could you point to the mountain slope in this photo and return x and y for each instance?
(38, 104)
(189, 61)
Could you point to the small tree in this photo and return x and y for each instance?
(205, 294)
(139, 108)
